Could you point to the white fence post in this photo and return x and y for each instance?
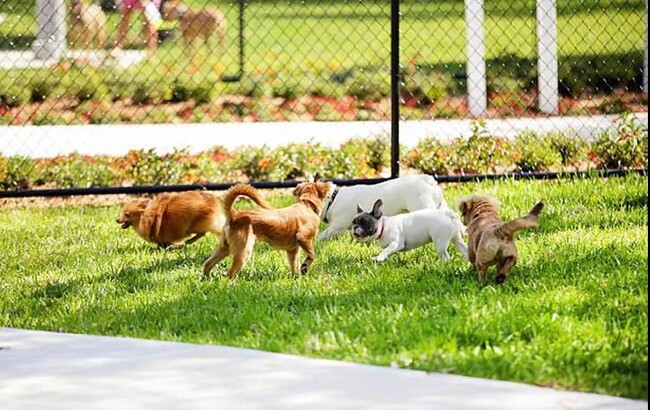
(476, 81)
(50, 42)
(547, 67)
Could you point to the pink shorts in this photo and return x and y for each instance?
(135, 4)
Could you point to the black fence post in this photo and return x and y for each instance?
(394, 87)
(240, 73)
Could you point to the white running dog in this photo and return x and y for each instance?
(405, 194)
(404, 232)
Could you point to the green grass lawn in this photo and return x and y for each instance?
(359, 32)
(572, 315)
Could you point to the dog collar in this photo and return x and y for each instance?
(381, 231)
(329, 203)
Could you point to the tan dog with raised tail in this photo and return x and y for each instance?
(289, 229)
(490, 240)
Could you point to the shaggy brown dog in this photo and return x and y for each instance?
(170, 218)
(196, 24)
(490, 240)
(87, 25)
(288, 229)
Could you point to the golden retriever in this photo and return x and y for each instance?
(491, 241)
(289, 229)
(170, 218)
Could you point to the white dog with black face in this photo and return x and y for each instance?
(404, 232)
(405, 194)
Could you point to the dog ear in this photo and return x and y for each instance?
(463, 206)
(359, 209)
(297, 190)
(376, 209)
(317, 177)
(323, 189)
(143, 203)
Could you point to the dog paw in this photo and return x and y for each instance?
(500, 279)
(303, 268)
(379, 258)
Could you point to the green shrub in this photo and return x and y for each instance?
(571, 147)
(351, 160)
(119, 88)
(286, 86)
(600, 73)
(256, 164)
(480, 152)
(299, 160)
(14, 95)
(510, 73)
(46, 118)
(318, 86)
(75, 170)
(91, 90)
(98, 112)
(254, 86)
(146, 93)
(426, 89)
(203, 93)
(378, 151)
(624, 146)
(429, 156)
(535, 152)
(612, 105)
(206, 168)
(180, 91)
(141, 167)
(502, 84)
(370, 86)
(41, 89)
(17, 172)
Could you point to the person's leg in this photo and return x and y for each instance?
(123, 27)
(150, 22)
(152, 35)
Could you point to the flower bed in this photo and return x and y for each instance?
(162, 92)
(623, 146)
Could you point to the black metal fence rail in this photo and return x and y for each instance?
(154, 189)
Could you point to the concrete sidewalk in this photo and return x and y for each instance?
(45, 141)
(44, 370)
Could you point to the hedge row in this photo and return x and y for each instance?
(623, 146)
(160, 82)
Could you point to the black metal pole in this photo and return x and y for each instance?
(242, 7)
(153, 189)
(240, 73)
(394, 87)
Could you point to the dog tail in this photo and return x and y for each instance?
(242, 190)
(529, 221)
(437, 191)
(456, 220)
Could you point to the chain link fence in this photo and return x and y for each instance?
(322, 66)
